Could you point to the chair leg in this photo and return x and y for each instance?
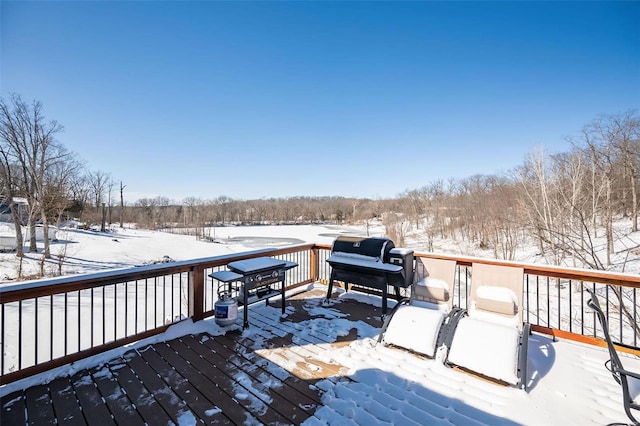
(330, 289)
(522, 356)
(627, 409)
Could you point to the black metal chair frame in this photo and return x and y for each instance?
(614, 365)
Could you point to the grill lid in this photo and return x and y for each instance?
(375, 247)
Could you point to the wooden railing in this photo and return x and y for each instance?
(48, 323)
(554, 300)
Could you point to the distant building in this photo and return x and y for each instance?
(23, 210)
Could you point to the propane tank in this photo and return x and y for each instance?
(226, 309)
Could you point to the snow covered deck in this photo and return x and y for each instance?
(317, 364)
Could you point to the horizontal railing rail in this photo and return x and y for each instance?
(48, 323)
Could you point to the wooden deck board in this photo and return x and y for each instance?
(65, 403)
(237, 387)
(306, 351)
(94, 407)
(206, 384)
(39, 407)
(172, 404)
(269, 394)
(263, 370)
(117, 401)
(148, 407)
(13, 409)
(248, 355)
(235, 378)
(204, 408)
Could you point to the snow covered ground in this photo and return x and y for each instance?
(86, 251)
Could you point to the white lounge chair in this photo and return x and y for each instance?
(492, 339)
(420, 322)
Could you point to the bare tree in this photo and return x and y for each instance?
(57, 194)
(609, 140)
(627, 144)
(30, 140)
(537, 201)
(222, 205)
(98, 183)
(110, 185)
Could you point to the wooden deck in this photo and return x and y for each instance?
(236, 378)
(319, 365)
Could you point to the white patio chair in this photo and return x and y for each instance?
(491, 339)
(420, 322)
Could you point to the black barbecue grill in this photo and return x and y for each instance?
(261, 279)
(370, 262)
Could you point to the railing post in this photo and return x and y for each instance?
(314, 264)
(196, 293)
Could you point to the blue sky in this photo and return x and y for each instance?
(275, 99)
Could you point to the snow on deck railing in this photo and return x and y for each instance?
(49, 323)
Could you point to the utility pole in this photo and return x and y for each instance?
(122, 187)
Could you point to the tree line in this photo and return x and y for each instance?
(564, 201)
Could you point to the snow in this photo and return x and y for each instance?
(500, 294)
(254, 265)
(375, 384)
(407, 319)
(634, 388)
(368, 264)
(187, 419)
(433, 288)
(487, 348)
(356, 256)
(496, 299)
(401, 251)
(436, 283)
(85, 251)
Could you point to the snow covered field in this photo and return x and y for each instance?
(89, 251)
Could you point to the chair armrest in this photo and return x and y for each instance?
(387, 320)
(630, 373)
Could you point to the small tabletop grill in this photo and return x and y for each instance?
(370, 262)
(257, 277)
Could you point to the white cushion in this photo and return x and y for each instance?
(496, 299)
(432, 289)
(415, 328)
(486, 348)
